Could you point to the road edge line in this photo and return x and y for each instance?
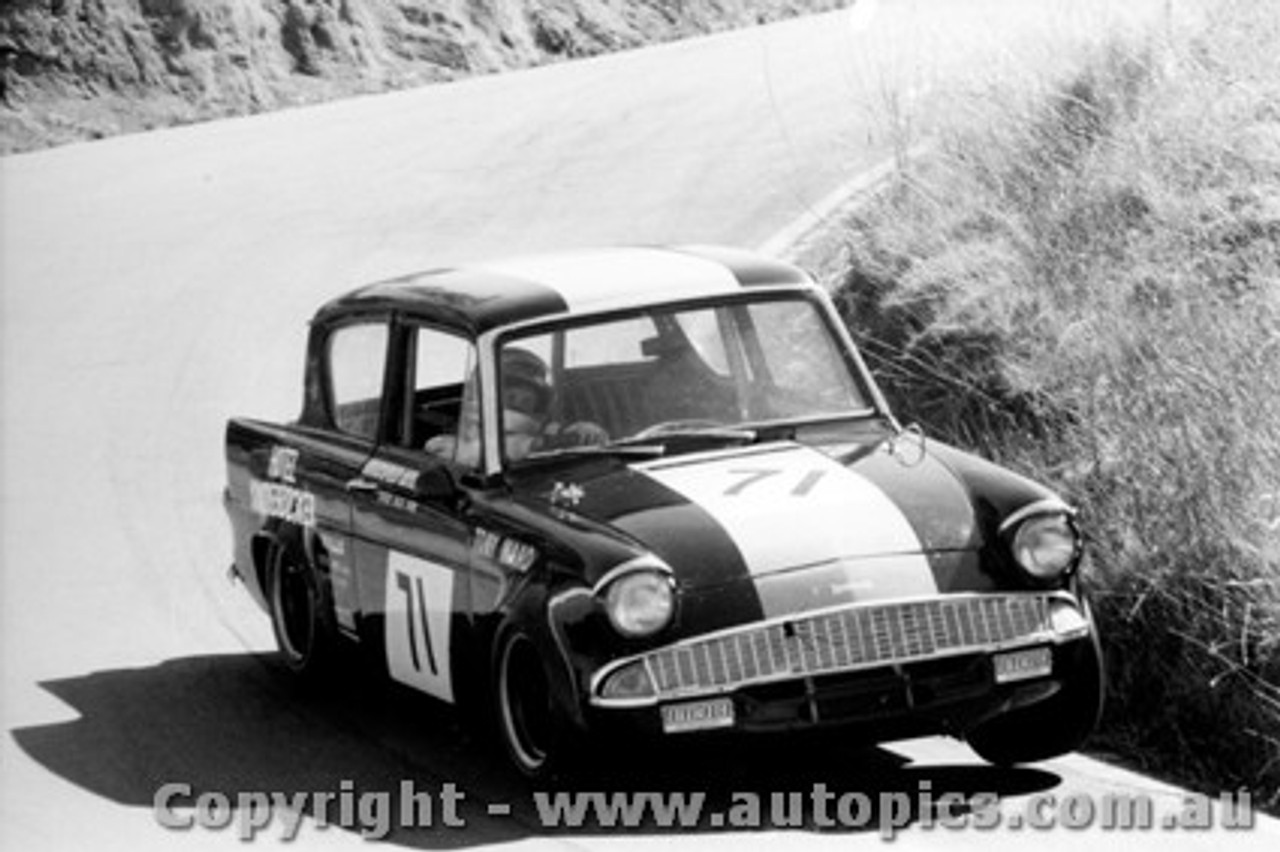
(799, 235)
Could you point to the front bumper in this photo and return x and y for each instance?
(899, 668)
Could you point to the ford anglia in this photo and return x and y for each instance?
(652, 493)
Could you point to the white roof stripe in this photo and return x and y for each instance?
(621, 278)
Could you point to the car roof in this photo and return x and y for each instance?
(478, 297)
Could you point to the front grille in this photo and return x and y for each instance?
(855, 637)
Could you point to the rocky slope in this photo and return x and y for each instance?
(82, 69)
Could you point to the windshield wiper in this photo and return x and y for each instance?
(776, 430)
(664, 434)
(627, 451)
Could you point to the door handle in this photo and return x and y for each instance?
(360, 485)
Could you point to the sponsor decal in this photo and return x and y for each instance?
(486, 543)
(280, 499)
(567, 495)
(505, 550)
(285, 502)
(395, 501)
(419, 612)
(391, 473)
(283, 464)
(342, 580)
(516, 554)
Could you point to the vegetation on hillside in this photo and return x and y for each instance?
(82, 69)
(1086, 284)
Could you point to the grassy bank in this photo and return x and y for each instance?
(1086, 284)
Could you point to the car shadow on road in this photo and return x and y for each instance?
(224, 726)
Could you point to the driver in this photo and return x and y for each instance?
(526, 426)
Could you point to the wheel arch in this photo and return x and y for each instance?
(535, 610)
(307, 540)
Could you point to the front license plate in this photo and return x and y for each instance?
(1021, 665)
(697, 715)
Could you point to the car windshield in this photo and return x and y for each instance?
(720, 369)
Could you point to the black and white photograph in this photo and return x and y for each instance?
(810, 425)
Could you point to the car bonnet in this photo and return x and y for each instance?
(784, 516)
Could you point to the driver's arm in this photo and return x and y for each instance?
(581, 433)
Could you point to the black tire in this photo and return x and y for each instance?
(533, 731)
(1049, 728)
(302, 618)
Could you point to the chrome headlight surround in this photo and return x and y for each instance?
(1043, 540)
(639, 596)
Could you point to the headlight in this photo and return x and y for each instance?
(1046, 545)
(638, 597)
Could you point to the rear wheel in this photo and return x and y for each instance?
(1048, 728)
(532, 729)
(301, 613)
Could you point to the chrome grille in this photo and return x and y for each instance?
(855, 637)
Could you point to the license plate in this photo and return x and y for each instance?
(697, 715)
(1021, 665)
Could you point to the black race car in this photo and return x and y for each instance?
(652, 492)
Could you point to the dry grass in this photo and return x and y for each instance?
(1087, 286)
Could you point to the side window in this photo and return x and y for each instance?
(444, 395)
(357, 360)
(444, 361)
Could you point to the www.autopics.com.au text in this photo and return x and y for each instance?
(376, 813)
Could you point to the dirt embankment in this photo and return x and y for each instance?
(81, 69)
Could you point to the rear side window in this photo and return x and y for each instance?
(357, 361)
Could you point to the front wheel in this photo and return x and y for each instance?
(301, 614)
(532, 729)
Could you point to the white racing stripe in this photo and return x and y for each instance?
(621, 278)
(787, 506)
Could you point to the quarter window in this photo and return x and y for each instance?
(357, 361)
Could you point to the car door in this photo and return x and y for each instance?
(335, 440)
(412, 547)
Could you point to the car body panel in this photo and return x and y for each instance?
(776, 535)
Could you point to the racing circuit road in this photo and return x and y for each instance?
(155, 284)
